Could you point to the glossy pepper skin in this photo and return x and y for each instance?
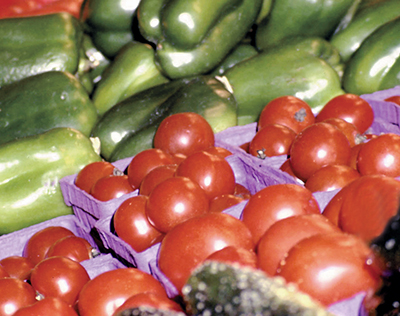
(132, 70)
(289, 18)
(32, 45)
(39, 103)
(308, 68)
(376, 64)
(30, 170)
(193, 36)
(364, 23)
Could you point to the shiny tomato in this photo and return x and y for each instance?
(224, 201)
(149, 299)
(102, 295)
(380, 155)
(236, 255)
(212, 173)
(15, 294)
(174, 201)
(156, 176)
(284, 234)
(145, 161)
(289, 111)
(271, 140)
(48, 306)
(111, 187)
(331, 267)
(132, 225)
(316, 146)
(17, 267)
(332, 209)
(3, 272)
(347, 128)
(241, 191)
(394, 99)
(331, 177)
(350, 107)
(73, 247)
(274, 203)
(219, 151)
(286, 167)
(92, 172)
(189, 243)
(39, 243)
(59, 277)
(184, 133)
(354, 155)
(368, 203)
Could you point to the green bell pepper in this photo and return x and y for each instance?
(41, 102)
(375, 65)
(193, 36)
(364, 23)
(132, 70)
(30, 170)
(300, 17)
(32, 45)
(308, 68)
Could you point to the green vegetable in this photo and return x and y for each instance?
(41, 102)
(308, 68)
(129, 126)
(192, 37)
(290, 18)
(216, 288)
(30, 170)
(376, 64)
(32, 45)
(365, 22)
(148, 311)
(132, 71)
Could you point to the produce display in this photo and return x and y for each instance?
(185, 157)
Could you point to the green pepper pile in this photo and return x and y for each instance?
(114, 74)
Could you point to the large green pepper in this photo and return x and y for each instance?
(364, 23)
(32, 45)
(375, 65)
(38, 103)
(193, 36)
(132, 71)
(308, 68)
(300, 17)
(30, 170)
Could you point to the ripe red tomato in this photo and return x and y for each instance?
(145, 161)
(394, 99)
(132, 225)
(48, 306)
(39, 243)
(92, 172)
(331, 267)
(111, 187)
(219, 151)
(155, 176)
(348, 129)
(102, 295)
(73, 247)
(284, 234)
(174, 201)
(331, 177)
(350, 107)
(354, 155)
(149, 299)
(289, 111)
(332, 209)
(184, 133)
(17, 267)
(316, 146)
(274, 203)
(224, 201)
(3, 272)
(212, 173)
(368, 203)
(241, 191)
(232, 254)
(271, 140)
(286, 167)
(15, 294)
(380, 155)
(59, 277)
(189, 243)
